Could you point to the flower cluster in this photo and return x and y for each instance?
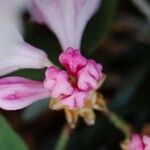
(74, 89)
(74, 86)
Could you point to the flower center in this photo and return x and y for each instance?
(72, 87)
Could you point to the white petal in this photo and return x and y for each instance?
(66, 18)
(21, 56)
(14, 52)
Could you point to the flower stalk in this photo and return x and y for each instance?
(63, 138)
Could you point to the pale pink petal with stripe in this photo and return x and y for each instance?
(18, 92)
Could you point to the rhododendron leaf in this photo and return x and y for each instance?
(98, 26)
(9, 139)
(29, 73)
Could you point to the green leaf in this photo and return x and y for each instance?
(99, 26)
(35, 110)
(9, 140)
(29, 73)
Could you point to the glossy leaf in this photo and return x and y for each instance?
(99, 26)
(9, 139)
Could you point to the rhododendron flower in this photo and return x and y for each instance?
(66, 18)
(146, 141)
(15, 53)
(137, 142)
(72, 89)
(69, 89)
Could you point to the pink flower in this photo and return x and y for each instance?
(66, 18)
(135, 143)
(15, 53)
(72, 91)
(139, 143)
(84, 77)
(146, 141)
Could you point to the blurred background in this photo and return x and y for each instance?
(118, 37)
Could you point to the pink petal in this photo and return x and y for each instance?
(17, 92)
(72, 60)
(135, 143)
(66, 18)
(146, 141)
(57, 82)
(75, 100)
(89, 76)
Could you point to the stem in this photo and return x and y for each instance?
(118, 123)
(143, 6)
(63, 138)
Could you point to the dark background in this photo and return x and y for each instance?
(119, 38)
